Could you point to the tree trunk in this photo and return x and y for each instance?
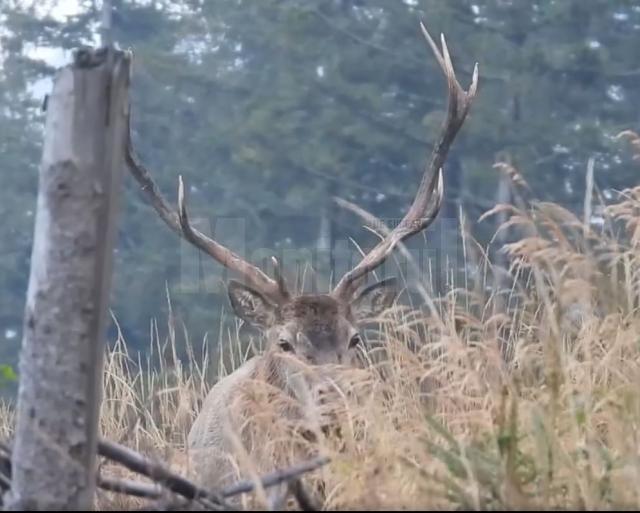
(322, 257)
(503, 196)
(66, 311)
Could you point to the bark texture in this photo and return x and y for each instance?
(67, 299)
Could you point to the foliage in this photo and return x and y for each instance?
(7, 375)
(270, 108)
(524, 402)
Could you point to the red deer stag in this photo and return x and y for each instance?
(312, 329)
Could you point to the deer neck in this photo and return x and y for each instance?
(284, 375)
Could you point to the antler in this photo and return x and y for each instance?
(423, 210)
(275, 290)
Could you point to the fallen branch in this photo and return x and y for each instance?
(177, 504)
(151, 491)
(159, 473)
(160, 501)
(130, 487)
(177, 484)
(277, 477)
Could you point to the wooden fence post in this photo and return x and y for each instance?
(60, 378)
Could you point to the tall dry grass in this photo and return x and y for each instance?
(516, 391)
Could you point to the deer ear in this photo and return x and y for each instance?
(374, 299)
(250, 305)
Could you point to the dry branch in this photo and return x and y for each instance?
(133, 461)
(163, 477)
(129, 487)
(160, 473)
(277, 477)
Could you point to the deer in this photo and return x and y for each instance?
(301, 330)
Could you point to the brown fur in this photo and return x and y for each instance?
(306, 338)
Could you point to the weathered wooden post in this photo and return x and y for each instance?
(54, 452)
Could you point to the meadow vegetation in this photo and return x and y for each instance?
(517, 391)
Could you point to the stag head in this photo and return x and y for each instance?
(320, 328)
(323, 328)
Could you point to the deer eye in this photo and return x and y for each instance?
(355, 340)
(286, 346)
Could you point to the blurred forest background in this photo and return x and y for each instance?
(269, 108)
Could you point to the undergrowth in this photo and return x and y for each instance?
(517, 391)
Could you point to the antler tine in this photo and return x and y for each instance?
(277, 272)
(274, 290)
(420, 215)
